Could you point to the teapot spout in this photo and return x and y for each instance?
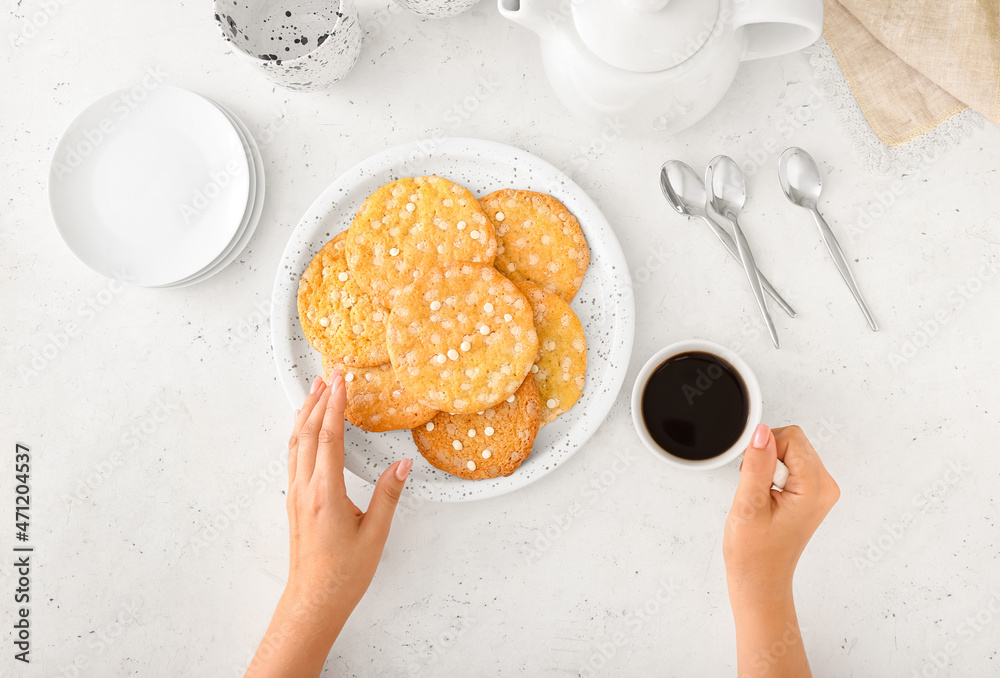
(540, 16)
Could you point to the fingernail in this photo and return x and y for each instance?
(316, 382)
(760, 437)
(333, 375)
(295, 417)
(403, 469)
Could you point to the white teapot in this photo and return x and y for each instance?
(658, 65)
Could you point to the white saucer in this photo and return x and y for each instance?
(252, 216)
(149, 184)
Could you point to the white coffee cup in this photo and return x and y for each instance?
(754, 413)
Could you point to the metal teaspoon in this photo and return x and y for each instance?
(726, 193)
(802, 184)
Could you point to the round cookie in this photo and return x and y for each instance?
(538, 240)
(375, 400)
(487, 444)
(337, 316)
(561, 365)
(411, 225)
(461, 338)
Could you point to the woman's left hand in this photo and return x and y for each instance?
(335, 548)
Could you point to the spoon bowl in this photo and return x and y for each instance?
(800, 178)
(725, 186)
(683, 188)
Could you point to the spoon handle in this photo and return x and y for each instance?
(727, 240)
(753, 275)
(841, 261)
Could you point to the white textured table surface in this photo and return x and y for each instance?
(162, 417)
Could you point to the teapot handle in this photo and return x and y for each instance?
(775, 27)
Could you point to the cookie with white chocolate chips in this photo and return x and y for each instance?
(538, 240)
(338, 316)
(561, 366)
(411, 225)
(487, 444)
(461, 338)
(376, 401)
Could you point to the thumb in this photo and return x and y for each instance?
(382, 506)
(759, 462)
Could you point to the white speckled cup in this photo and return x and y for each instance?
(437, 9)
(304, 45)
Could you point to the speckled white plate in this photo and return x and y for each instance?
(603, 304)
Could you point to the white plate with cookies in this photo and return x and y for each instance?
(458, 337)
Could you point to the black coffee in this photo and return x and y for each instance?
(695, 405)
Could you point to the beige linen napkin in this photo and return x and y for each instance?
(914, 64)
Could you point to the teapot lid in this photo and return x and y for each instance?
(645, 35)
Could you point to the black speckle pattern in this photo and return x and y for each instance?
(604, 305)
(319, 42)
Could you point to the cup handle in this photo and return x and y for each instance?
(780, 475)
(775, 27)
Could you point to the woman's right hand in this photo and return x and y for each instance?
(767, 530)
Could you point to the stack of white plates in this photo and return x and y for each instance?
(157, 187)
